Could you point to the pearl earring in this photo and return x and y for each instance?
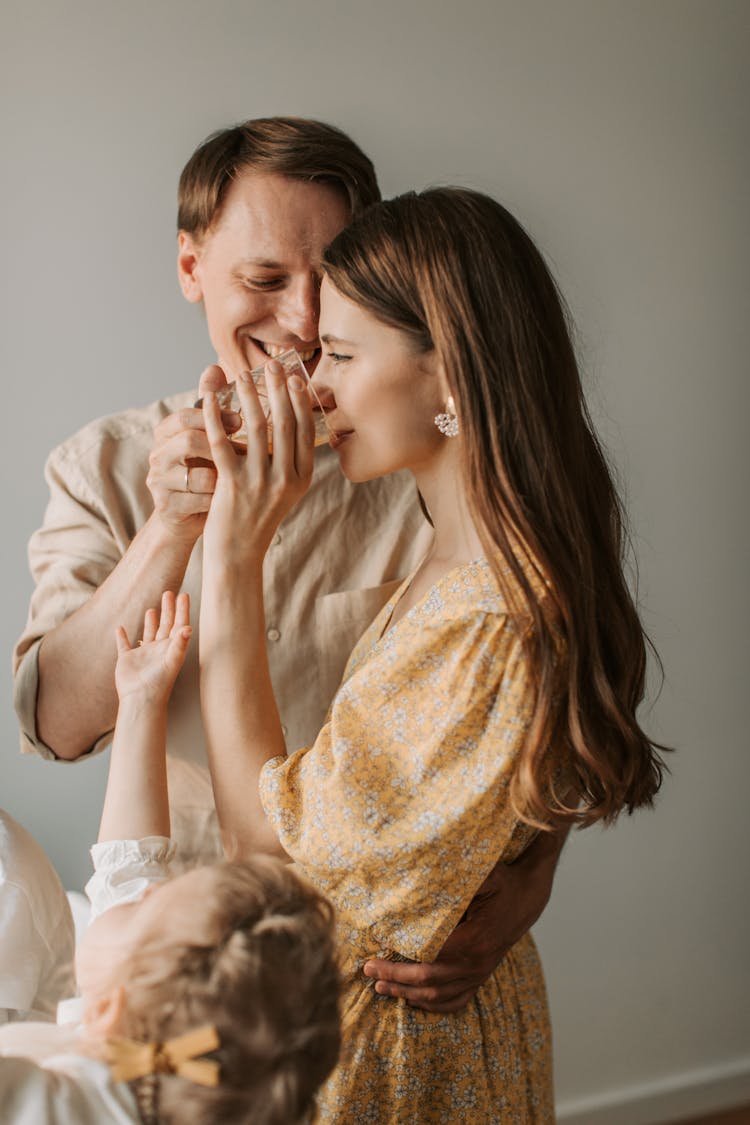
(447, 422)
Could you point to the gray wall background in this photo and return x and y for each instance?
(617, 132)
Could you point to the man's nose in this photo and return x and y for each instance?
(300, 309)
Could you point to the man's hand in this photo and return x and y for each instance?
(181, 475)
(508, 903)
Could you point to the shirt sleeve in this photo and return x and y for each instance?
(123, 869)
(401, 808)
(72, 553)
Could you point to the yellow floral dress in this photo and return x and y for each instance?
(398, 813)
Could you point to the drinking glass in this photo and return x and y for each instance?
(228, 399)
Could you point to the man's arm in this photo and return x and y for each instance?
(507, 904)
(76, 701)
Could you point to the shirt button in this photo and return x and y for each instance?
(273, 634)
(276, 540)
(284, 730)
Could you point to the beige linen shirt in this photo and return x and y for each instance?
(337, 558)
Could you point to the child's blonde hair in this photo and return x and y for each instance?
(262, 970)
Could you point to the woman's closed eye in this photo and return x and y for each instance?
(337, 357)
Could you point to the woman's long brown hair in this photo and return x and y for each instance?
(456, 272)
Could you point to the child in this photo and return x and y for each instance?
(209, 997)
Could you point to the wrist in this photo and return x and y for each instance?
(143, 706)
(231, 570)
(179, 536)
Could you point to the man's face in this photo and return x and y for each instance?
(257, 271)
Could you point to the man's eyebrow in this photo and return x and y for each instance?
(328, 339)
(264, 263)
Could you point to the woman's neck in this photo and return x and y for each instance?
(456, 537)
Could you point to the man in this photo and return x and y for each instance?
(129, 495)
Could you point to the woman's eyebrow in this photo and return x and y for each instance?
(329, 339)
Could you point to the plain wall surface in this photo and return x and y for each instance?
(617, 132)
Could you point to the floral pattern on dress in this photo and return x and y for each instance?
(398, 813)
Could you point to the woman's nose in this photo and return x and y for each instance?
(322, 385)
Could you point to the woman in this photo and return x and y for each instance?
(492, 698)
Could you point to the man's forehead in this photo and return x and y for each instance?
(272, 220)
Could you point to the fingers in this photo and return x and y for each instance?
(448, 997)
(292, 423)
(212, 379)
(180, 443)
(219, 448)
(178, 643)
(438, 986)
(282, 416)
(150, 625)
(182, 611)
(256, 422)
(166, 620)
(121, 640)
(180, 633)
(416, 974)
(194, 480)
(172, 619)
(305, 426)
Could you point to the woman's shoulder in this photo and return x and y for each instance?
(478, 588)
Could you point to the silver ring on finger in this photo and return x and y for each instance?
(187, 487)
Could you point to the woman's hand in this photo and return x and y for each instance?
(150, 669)
(253, 493)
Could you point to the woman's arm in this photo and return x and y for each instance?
(136, 801)
(253, 494)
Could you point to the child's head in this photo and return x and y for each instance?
(244, 946)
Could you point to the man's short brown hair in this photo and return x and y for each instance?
(297, 147)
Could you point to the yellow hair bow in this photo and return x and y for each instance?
(128, 1059)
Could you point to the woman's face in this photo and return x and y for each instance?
(380, 395)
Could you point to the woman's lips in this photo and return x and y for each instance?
(338, 437)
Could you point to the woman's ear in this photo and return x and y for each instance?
(102, 1016)
(188, 259)
(442, 378)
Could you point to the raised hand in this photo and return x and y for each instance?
(253, 493)
(150, 668)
